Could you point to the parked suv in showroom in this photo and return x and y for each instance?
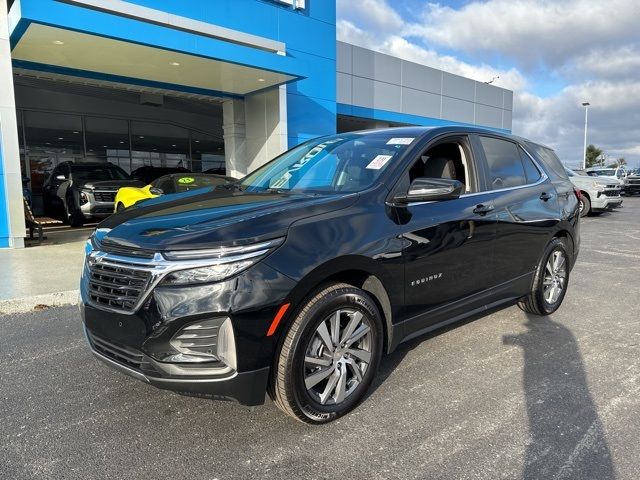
(295, 280)
(79, 192)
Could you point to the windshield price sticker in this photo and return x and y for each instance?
(379, 162)
(401, 141)
(186, 180)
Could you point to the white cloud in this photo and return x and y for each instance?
(530, 31)
(373, 15)
(592, 46)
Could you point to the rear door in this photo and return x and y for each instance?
(526, 207)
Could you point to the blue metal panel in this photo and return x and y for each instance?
(4, 207)
(384, 115)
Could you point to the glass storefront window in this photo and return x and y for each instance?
(51, 138)
(207, 153)
(108, 140)
(159, 144)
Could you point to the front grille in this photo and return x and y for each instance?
(104, 196)
(612, 186)
(612, 193)
(116, 285)
(124, 355)
(634, 181)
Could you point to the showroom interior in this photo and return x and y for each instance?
(152, 82)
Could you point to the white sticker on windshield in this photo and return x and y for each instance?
(379, 162)
(401, 141)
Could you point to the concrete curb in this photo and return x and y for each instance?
(38, 302)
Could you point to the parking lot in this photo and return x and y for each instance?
(501, 396)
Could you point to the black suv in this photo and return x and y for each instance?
(78, 192)
(296, 279)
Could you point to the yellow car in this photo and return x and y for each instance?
(166, 185)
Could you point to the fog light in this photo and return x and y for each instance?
(205, 341)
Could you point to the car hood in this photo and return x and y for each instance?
(213, 218)
(586, 180)
(608, 180)
(108, 184)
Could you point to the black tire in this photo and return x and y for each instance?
(288, 386)
(535, 302)
(76, 219)
(585, 206)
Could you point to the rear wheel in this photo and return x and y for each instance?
(551, 280)
(585, 206)
(330, 355)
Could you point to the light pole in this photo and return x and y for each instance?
(584, 150)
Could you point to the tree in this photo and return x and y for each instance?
(622, 161)
(592, 155)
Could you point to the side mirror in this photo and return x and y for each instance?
(431, 189)
(62, 178)
(155, 191)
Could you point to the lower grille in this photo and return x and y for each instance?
(104, 196)
(612, 193)
(116, 285)
(124, 355)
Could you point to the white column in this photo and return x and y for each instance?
(12, 225)
(266, 120)
(234, 128)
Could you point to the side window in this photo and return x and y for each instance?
(530, 170)
(446, 159)
(503, 160)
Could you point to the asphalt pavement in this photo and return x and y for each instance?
(502, 396)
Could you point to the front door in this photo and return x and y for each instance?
(448, 253)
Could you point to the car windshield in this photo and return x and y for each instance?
(603, 173)
(98, 172)
(192, 182)
(349, 162)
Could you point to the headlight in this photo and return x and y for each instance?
(598, 186)
(212, 273)
(215, 264)
(84, 197)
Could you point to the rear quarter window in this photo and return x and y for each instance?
(548, 159)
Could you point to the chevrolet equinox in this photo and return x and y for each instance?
(294, 280)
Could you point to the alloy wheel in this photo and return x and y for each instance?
(338, 356)
(555, 276)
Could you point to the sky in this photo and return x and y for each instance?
(554, 55)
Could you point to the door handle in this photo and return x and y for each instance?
(545, 196)
(483, 209)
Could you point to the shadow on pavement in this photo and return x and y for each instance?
(566, 437)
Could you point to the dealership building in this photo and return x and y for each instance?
(210, 86)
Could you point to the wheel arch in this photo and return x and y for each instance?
(360, 272)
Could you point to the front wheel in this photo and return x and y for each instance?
(585, 206)
(75, 216)
(551, 280)
(330, 355)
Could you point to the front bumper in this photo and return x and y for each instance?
(606, 200)
(247, 388)
(98, 204)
